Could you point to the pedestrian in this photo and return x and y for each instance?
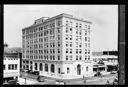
(83, 77)
(107, 82)
(38, 78)
(84, 80)
(113, 82)
(64, 83)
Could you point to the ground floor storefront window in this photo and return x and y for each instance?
(111, 68)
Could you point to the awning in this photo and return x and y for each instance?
(98, 66)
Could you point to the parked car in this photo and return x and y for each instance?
(6, 83)
(13, 82)
(28, 71)
(59, 82)
(35, 72)
(113, 72)
(98, 74)
(115, 81)
(39, 79)
(23, 70)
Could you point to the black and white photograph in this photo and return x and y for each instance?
(47, 44)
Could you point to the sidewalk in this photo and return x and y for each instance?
(28, 81)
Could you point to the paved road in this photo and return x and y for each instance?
(90, 81)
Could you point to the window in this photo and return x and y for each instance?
(66, 23)
(85, 38)
(58, 57)
(53, 51)
(66, 50)
(85, 51)
(85, 44)
(59, 70)
(71, 23)
(15, 66)
(88, 57)
(76, 24)
(88, 51)
(58, 30)
(52, 68)
(80, 32)
(88, 44)
(76, 37)
(71, 44)
(53, 57)
(58, 44)
(88, 39)
(70, 37)
(46, 67)
(66, 29)
(4, 66)
(70, 50)
(58, 50)
(85, 57)
(68, 70)
(66, 37)
(76, 31)
(80, 57)
(88, 26)
(35, 66)
(85, 33)
(70, 57)
(70, 29)
(76, 57)
(41, 66)
(80, 45)
(87, 68)
(80, 25)
(58, 37)
(67, 57)
(50, 57)
(77, 51)
(59, 23)
(80, 51)
(66, 44)
(9, 66)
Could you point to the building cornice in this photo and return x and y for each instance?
(56, 17)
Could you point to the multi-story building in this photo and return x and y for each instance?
(11, 66)
(58, 47)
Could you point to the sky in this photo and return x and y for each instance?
(104, 18)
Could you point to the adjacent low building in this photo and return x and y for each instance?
(11, 66)
(104, 63)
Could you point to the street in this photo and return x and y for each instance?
(101, 80)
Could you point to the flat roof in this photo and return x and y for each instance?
(58, 16)
(105, 56)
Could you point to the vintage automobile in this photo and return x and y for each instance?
(113, 72)
(115, 81)
(29, 71)
(59, 82)
(40, 79)
(12, 82)
(98, 74)
(35, 72)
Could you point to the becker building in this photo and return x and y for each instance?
(58, 47)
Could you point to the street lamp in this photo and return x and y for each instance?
(84, 79)
(25, 75)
